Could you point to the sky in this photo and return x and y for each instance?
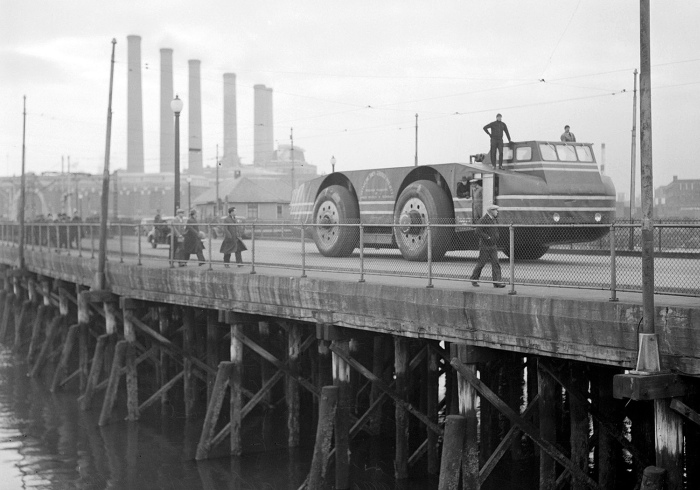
(348, 78)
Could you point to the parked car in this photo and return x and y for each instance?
(158, 235)
(245, 229)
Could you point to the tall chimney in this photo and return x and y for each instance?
(167, 124)
(230, 157)
(134, 113)
(195, 119)
(263, 134)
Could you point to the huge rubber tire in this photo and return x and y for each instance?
(420, 203)
(527, 251)
(335, 205)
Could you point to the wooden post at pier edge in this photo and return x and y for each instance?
(324, 436)
(341, 379)
(468, 400)
(401, 416)
(292, 391)
(235, 381)
(452, 446)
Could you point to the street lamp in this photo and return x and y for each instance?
(176, 106)
(189, 192)
(333, 164)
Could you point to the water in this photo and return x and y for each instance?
(47, 442)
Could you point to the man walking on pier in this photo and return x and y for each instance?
(497, 128)
(488, 238)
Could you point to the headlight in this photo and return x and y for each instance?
(556, 217)
(598, 217)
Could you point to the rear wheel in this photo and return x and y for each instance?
(334, 206)
(420, 203)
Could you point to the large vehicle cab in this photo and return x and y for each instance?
(542, 183)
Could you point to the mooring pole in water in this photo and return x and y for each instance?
(218, 395)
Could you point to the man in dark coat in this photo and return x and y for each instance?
(192, 243)
(231, 243)
(488, 238)
(495, 131)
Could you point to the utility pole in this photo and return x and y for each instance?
(22, 191)
(102, 254)
(415, 164)
(633, 162)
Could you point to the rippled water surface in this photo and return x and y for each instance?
(47, 442)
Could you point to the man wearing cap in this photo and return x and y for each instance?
(497, 128)
(488, 238)
(231, 243)
(463, 188)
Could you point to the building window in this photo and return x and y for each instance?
(252, 211)
(279, 211)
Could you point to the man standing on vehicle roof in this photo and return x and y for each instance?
(567, 136)
(497, 128)
(488, 238)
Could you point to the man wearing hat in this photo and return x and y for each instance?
(497, 129)
(179, 224)
(231, 243)
(192, 243)
(488, 239)
(463, 188)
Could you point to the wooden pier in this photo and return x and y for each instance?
(470, 386)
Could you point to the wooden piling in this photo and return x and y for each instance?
(547, 414)
(468, 401)
(401, 417)
(341, 379)
(62, 367)
(654, 478)
(218, 394)
(164, 362)
(236, 384)
(8, 314)
(212, 348)
(38, 326)
(266, 370)
(292, 387)
(375, 422)
(189, 350)
(579, 422)
(47, 346)
(452, 447)
(24, 318)
(324, 436)
(669, 442)
(113, 383)
(83, 336)
(98, 361)
(608, 454)
(432, 409)
(132, 385)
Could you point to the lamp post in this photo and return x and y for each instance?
(333, 164)
(176, 106)
(189, 193)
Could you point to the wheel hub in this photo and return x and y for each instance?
(413, 214)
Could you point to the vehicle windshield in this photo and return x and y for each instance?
(565, 153)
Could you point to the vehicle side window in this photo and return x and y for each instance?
(566, 153)
(584, 154)
(548, 152)
(523, 154)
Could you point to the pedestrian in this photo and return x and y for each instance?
(477, 199)
(567, 136)
(231, 243)
(488, 239)
(178, 230)
(463, 188)
(75, 232)
(497, 128)
(192, 243)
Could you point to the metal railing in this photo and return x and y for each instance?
(612, 261)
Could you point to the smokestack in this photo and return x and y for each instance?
(134, 113)
(230, 157)
(263, 135)
(167, 125)
(195, 119)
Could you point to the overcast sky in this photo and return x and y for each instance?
(350, 76)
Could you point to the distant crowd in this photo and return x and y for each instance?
(49, 231)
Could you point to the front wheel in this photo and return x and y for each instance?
(334, 206)
(420, 203)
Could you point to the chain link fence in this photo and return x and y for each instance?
(612, 260)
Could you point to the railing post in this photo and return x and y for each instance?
(613, 265)
(209, 235)
(303, 253)
(252, 249)
(362, 253)
(121, 243)
(511, 244)
(79, 239)
(138, 243)
(430, 255)
(92, 242)
(173, 242)
(658, 228)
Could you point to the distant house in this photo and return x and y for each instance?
(263, 198)
(680, 199)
